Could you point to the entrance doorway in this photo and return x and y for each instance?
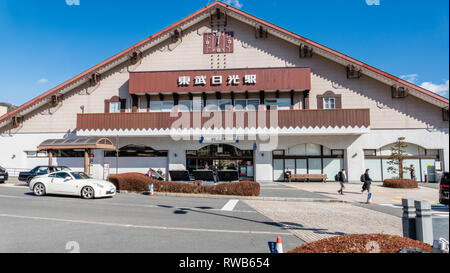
(222, 157)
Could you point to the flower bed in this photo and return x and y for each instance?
(361, 243)
(400, 183)
(136, 182)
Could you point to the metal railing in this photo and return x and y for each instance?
(14, 172)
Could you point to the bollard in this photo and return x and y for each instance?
(409, 219)
(279, 245)
(369, 199)
(424, 222)
(150, 188)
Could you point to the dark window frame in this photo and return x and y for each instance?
(123, 103)
(326, 95)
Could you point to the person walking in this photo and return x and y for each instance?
(367, 181)
(341, 178)
(412, 172)
(150, 173)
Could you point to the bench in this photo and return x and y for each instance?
(204, 176)
(307, 177)
(228, 176)
(179, 176)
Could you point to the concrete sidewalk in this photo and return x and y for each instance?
(315, 221)
(381, 195)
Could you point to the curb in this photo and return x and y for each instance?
(206, 196)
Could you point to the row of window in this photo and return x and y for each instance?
(222, 105)
(58, 153)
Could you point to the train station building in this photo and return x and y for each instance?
(224, 88)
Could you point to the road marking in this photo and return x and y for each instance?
(145, 227)
(38, 199)
(230, 205)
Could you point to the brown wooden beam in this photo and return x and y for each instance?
(50, 158)
(86, 161)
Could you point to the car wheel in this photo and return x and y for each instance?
(87, 193)
(39, 189)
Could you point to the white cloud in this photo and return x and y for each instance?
(412, 78)
(42, 81)
(235, 3)
(441, 89)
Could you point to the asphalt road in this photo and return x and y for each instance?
(133, 223)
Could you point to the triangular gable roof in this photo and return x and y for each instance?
(241, 16)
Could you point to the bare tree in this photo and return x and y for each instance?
(397, 157)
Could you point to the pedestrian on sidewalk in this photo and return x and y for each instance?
(412, 172)
(367, 181)
(341, 178)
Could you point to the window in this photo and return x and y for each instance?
(197, 104)
(338, 152)
(42, 170)
(370, 152)
(278, 152)
(114, 107)
(137, 151)
(225, 105)
(249, 105)
(80, 175)
(284, 104)
(211, 105)
(31, 154)
(185, 106)
(240, 105)
(63, 175)
(253, 105)
(69, 153)
(329, 100)
(278, 104)
(329, 103)
(271, 104)
(161, 106)
(36, 154)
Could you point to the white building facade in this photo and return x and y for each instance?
(222, 87)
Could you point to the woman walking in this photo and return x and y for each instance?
(342, 177)
(367, 182)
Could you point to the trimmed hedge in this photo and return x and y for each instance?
(401, 183)
(136, 182)
(362, 243)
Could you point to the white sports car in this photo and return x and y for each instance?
(71, 183)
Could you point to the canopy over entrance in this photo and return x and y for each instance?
(77, 143)
(82, 143)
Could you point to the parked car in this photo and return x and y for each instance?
(71, 183)
(40, 170)
(443, 192)
(3, 175)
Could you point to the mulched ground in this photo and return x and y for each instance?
(361, 243)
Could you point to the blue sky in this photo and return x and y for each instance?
(46, 42)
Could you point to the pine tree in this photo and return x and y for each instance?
(398, 155)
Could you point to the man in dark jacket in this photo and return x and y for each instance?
(367, 182)
(412, 172)
(342, 178)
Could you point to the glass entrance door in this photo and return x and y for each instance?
(222, 157)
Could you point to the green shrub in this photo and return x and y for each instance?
(401, 183)
(136, 182)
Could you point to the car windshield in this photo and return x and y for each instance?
(80, 175)
(63, 168)
(2, 169)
